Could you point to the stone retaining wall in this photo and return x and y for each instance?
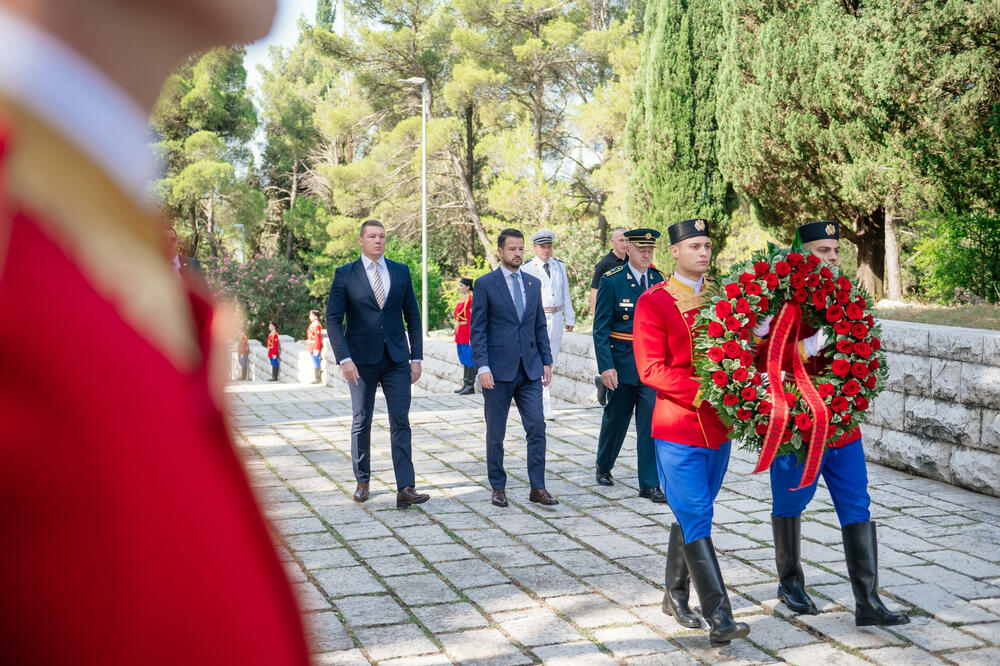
(939, 416)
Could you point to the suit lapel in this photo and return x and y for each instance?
(359, 269)
(505, 290)
(529, 303)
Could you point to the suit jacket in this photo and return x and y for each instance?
(359, 329)
(498, 338)
(614, 315)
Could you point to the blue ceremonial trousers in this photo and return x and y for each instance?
(846, 477)
(691, 477)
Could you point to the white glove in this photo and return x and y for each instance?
(763, 327)
(815, 343)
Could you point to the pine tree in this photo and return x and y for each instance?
(325, 14)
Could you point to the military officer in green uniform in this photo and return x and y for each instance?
(617, 294)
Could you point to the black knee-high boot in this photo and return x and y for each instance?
(861, 552)
(469, 383)
(787, 555)
(274, 373)
(243, 372)
(319, 376)
(677, 582)
(703, 567)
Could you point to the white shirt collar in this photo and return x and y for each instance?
(694, 284)
(507, 272)
(368, 262)
(636, 273)
(76, 99)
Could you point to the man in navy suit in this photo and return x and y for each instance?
(510, 346)
(375, 295)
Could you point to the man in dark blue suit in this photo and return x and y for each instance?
(510, 346)
(375, 295)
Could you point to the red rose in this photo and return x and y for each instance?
(873, 364)
(797, 281)
(852, 387)
(771, 280)
(746, 277)
(740, 375)
(834, 313)
(744, 334)
(794, 258)
(760, 428)
(876, 344)
(862, 303)
(732, 348)
(870, 320)
(729, 400)
(720, 378)
(862, 349)
(860, 402)
(870, 381)
(715, 329)
(803, 421)
(763, 304)
(753, 288)
(859, 331)
(743, 306)
(732, 290)
(733, 324)
(791, 398)
(827, 287)
(854, 312)
(761, 268)
(839, 404)
(842, 327)
(825, 390)
(786, 436)
(764, 407)
(813, 261)
(782, 268)
(859, 370)
(715, 354)
(843, 283)
(723, 309)
(845, 346)
(845, 419)
(812, 280)
(800, 295)
(756, 380)
(749, 394)
(743, 414)
(843, 297)
(819, 300)
(825, 272)
(840, 367)
(746, 358)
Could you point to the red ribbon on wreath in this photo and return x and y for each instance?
(787, 326)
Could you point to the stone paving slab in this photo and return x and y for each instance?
(458, 581)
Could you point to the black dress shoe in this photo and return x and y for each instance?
(408, 496)
(604, 478)
(499, 497)
(602, 391)
(541, 496)
(361, 493)
(654, 495)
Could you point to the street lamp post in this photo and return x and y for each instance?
(423, 199)
(243, 243)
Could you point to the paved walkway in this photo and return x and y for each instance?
(460, 581)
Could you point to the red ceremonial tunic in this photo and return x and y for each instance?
(463, 311)
(273, 345)
(815, 366)
(663, 344)
(130, 532)
(314, 337)
(243, 349)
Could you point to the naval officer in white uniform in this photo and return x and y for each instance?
(559, 315)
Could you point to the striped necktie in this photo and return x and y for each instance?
(377, 285)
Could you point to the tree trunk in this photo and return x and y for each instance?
(472, 209)
(195, 232)
(290, 240)
(893, 273)
(871, 252)
(213, 243)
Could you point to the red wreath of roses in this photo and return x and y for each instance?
(777, 416)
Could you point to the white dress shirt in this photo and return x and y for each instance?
(694, 284)
(638, 275)
(73, 97)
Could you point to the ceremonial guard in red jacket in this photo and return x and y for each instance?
(273, 351)
(692, 444)
(463, 314)
(130, 532)
(314, 343)
(843, 468)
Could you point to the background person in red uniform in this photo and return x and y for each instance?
(130, 533)
(314, 343)
(843, 468)
(463, 311)
(692, 444)
(273, 350)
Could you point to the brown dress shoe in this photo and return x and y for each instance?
(408, 496)
(499, 497)
(361, 494)
(541, 495)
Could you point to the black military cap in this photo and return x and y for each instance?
(642, 237)
(812, 231)
(687, 229)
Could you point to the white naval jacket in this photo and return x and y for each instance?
(555, 290)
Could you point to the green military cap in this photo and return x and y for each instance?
(687, 229)
(642, 237)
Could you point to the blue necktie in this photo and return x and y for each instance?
(518, 299)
